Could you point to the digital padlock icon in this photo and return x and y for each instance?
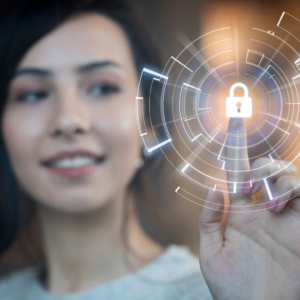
(239, 107)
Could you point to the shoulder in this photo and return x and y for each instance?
(15, 285)
(175, 264)
(179, 272)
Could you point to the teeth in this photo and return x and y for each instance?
(74, 162)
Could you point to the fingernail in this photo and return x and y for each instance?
(249, 185)
(272, 204)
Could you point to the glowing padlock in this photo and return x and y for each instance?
(239, 107)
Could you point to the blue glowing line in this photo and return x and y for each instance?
(159, 145)
(154, 73)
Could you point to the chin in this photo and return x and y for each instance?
(76, 203)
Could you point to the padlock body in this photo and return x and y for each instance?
(245, 109)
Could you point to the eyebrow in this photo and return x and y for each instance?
(81, 69)
(32, 71)
(95, 65)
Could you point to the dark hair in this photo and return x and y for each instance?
(28, 22)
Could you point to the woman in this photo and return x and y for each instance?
(70, 145)
(69, 130)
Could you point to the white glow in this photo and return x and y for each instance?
(181, 64)
(296, 77)
(280, 18)
(154, 73)
(159, 145)
(184, 168)
(188, 85)
(268, 189)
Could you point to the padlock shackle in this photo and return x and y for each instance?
(241, 85)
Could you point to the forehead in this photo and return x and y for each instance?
(79, 40)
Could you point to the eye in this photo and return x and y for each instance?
(104, 89)
(33, 96)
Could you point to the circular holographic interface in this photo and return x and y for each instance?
(215, 79)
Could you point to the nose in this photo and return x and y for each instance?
(71, 116)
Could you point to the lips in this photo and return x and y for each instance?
(73, 164)
(76, 158)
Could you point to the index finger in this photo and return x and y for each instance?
(237, 160)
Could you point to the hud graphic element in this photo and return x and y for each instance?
(256, 81)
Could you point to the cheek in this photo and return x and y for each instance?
(121, 135)
(21, 137)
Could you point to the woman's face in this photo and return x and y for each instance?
(69, 124)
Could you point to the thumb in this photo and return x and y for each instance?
(210, 225)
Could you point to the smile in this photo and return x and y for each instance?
(73, 164)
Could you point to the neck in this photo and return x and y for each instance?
(86, 250)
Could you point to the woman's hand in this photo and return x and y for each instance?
(254, 255)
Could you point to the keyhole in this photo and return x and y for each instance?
(239, 105)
